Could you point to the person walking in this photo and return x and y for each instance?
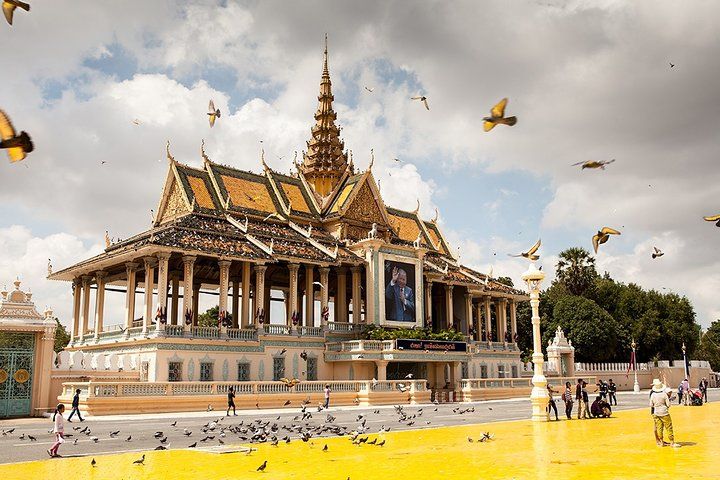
(703, 389)
(231, 401)
(660, 410)
(568, 399)
(612, 390)
(327, 395)
(578, 396)
(75, 407)
(551, 402)
(58, 429)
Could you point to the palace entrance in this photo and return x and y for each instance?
(16, 369)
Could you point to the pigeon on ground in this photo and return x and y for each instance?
(193, 445)
(18, 146)
(261, 468)
(140, 461)
(602, 236)
(9, 7)
(497, 116)
(93, 462)
(423, 99)
(530, 254)
(213, 113)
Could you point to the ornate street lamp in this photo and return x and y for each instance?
(533, 277)
(636, 385)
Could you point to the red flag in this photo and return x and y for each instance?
(631, 364)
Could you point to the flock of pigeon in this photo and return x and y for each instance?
(303, 427)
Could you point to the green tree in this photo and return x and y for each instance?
(576, 270)
(594, 333)
(209, 318)
(62, 337)
(709, 348)
(505, 281)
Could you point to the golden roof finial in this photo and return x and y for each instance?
(325, 60)
(167, 149)
(206, 160)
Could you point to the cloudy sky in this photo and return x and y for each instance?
(102, 91)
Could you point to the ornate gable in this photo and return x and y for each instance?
(364, 207)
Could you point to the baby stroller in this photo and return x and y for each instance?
(696, 398)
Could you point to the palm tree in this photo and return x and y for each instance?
(576, 270)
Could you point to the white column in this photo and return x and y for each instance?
(513, 319)
(324, 296)
(175, 298)
(478, 319)
(163, 259)
(77, 294)
(292, 303)
(86, 280)
(356, 295)
(428, 304)
(488, 320)
(468, 312)
(259, 303)
(449, 305)
(224, 284)
(309, 296)
(235, 280)
(99, 303)
(188, 272)
(131, 271)
(245, 309)
(149, 285)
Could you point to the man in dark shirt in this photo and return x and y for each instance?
(231, 401)
(612, 389)
(76, 406)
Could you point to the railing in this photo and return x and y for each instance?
(310, 331)
(608, 367)
(242, 333)
(361, 346)
(174, 330)
(205, 332)
(271, 329)
(345, 327)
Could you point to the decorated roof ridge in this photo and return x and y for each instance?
(325, 160)
(427, 238)
(278, 180)
(432, 226)
(347, 195)
(315, 198)
(329, 200)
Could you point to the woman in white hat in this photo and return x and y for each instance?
(660, 409)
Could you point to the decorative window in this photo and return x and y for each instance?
(278, 368)
(144, 371)
(483, 371)
(174, 371)
(515, 371)
(312, 368)
(501, 371)
(243, 372)
(463, 370)
(206, 372)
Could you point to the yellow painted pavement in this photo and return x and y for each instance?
(619, 447)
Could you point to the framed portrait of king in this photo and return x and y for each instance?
(400, 291)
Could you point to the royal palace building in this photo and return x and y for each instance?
(301, 267)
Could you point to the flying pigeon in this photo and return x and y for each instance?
(497, 115)
(657, 253)
(594, 164)
(9, 7)
(304, 355)
(602, 236)
(530, 254)
(423, 99)
(18, 146)
(713, 218)
(369, 89)
(213, 113)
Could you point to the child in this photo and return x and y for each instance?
(76, 407)
(59, 430)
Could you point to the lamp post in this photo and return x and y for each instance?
(636, 385)
(685, 363)
(533, 277)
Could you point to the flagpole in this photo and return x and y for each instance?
(685, 363)
(636, 385)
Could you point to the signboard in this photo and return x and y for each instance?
(431, 345)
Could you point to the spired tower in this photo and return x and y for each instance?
(324, 162)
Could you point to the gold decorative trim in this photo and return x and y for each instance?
(3, 375)
(21, 375)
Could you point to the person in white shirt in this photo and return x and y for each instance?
(58, 429)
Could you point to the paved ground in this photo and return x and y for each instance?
(413, 445)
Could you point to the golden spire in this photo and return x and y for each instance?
(324, 163)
